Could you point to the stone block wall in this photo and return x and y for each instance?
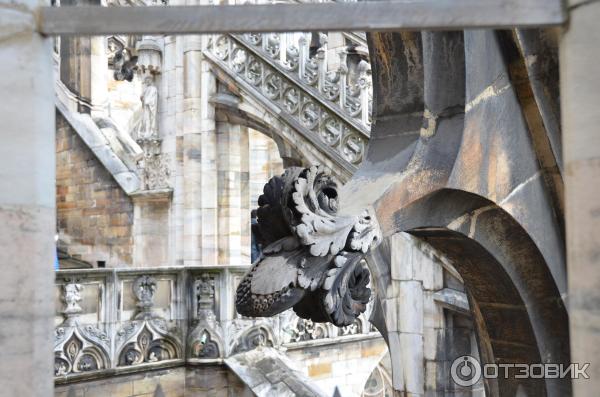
(214, 381)
(94, 215)
(346, 365)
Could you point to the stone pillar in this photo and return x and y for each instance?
(208, 85)
(265, 162)
(409, 280)
(27, 204)
(192, 152)
(170, 117)
(199, 156)
(229, 193)
(245, 195)
(580, 94)
(259, 159)
(404, 318)
(98, 75)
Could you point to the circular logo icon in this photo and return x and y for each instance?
(465, 371)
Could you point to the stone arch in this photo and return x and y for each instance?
(146, 342)
(79, 350)
(379, 382)
(453, 161)
(205, 343)
(240, 108)
(260, 335)
(519, 314)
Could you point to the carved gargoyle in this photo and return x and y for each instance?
(312, 255)
(124, 65)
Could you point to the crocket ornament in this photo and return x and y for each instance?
(312, 257)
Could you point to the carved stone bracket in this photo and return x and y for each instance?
(154, 166)
(312, 260)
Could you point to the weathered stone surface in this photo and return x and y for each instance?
(27, 205)
(579, 90)
(461, 161)
(268, 371)
(95, 216)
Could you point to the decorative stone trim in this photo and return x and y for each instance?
(315, 117)
(119, 321)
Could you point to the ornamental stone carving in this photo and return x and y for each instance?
(124, 65)
(204, 340)
(203, 345)
(308, 330)
(312, 256)
(321, 104)
(71, 298)
(253, 338)
(148, 127)
(74, 358)
(80, 349)
(154, 165)
(205, 295)
(144, 288)
(150, 344)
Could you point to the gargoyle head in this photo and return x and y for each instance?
(311, 259)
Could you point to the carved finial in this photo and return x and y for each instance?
(144, 288)
(205, 295)
(71, 298)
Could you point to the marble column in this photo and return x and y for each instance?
(265, 162)
(245, 206)
(580, 93)
(98, 75)
(192, 151)
(229, 139)
(208, 85)
(199, 155)
(404, 311)
(170, 124)
(27, 204)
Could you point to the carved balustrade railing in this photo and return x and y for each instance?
(346, 89)
(300, 103)
(111, 321)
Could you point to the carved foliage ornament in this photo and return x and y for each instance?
(312, 259)
(152, 344)
(80, 349)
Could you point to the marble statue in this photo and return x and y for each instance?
(148, 124)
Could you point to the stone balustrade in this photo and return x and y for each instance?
(321, 104)
(303, 57)
(111, 321)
